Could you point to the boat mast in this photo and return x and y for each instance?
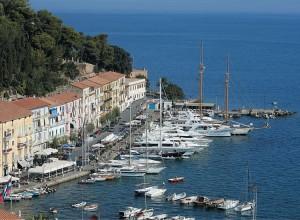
(226, 114)
(202, 67)
(146, 133)
(130, 135)
(160, 116)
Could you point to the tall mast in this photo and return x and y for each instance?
(146, 133)
(202, 67)
(160, 115)
(226, 114)
(130, 135)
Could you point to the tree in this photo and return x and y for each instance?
(89, 128)
(172, 91)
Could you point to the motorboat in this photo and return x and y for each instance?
(91, 207)
(182, 218)
(131, 171)
(155, 193)
(175, 197)
(53, 210)
(129, 212)
(201, 200)
(237, 129)
(228, 204)
(26, 195)
(188, 200)
(214, 203)
(244, 207)
(212, 130)
(144, 214)
(176, 179)
(142, 189)
(159, 217)
(154, 169)
(87, 181)
(13, 198)
(79, 205)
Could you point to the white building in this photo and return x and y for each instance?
(65, 114)
(135, 89)
(40, 117)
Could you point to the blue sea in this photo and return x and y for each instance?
(264, 54)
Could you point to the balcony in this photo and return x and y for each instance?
(21, 145)
(7, 150)
(7, 136)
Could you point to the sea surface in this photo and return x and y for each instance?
(265, 67)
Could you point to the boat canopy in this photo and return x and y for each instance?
(51, 167)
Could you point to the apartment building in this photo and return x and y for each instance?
(15, 136)
(65, 114)
(40, 117)
(135, 89)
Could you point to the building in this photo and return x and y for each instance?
(65, 114)
(40, 117)
(139, 73)
(135, 89)
(100, 94)
(90, 93)
(15, 136)
(116, 89)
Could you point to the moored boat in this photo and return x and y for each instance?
(129, 212)
(155, 193)
(176, 179)
(228, 204)
(79, 205)
(175, 197)
(188, 200)
(91, 207)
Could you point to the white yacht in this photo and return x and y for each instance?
(153, 193)
(228, 204)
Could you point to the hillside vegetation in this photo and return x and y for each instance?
(37, 49)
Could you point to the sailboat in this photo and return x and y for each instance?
(236, 128)
(130, 170)
(247, 206)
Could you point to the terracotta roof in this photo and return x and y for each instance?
(5, 215)
(99, 80)
(80, 85)
(61, 98)
(90, 83)
(111, 76)
(31, 103)
(10, 111)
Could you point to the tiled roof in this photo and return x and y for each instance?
(111, 76)
(5, 215)
(99, 80)
(10, 111)
(61, 98)
(31, 103)
(80, 85)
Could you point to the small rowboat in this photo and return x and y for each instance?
(176, 179)
(79, 205)
(91, 207)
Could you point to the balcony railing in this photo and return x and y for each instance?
(21, 145)
(6, 150)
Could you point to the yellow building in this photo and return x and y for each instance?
(15, 136)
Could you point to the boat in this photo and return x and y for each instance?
(176, 197)
(26, 195)
(129, 212)
(245, 207)
(99, 179)
(228, 204)
(13, 198)
(87, 181)
(182, 218)
(159, 217)
(201, 200)
(144, 214)
(188, 200)
(79, 205)
(34, 193)
(131, 171)
(176, 179)
(53, 210)
(142, 190)
(91, 207)
(155, 193)
(214, 203)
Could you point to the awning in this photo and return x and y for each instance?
(5, 179)
(51, 167)
(47, 151)
(23, 163)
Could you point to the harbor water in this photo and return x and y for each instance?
(265, 52)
